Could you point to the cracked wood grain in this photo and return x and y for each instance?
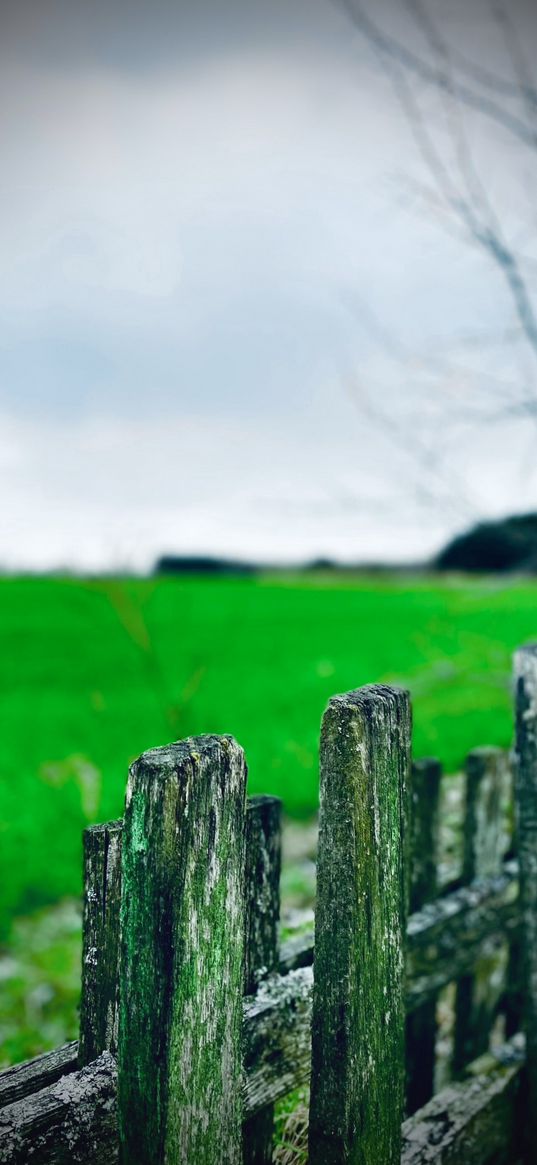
(357, 1080)
(182, 955)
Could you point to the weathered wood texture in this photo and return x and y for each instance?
(526, 799)
(512, 1005)
(424, 831)
(483, 822)
(445, 938)
(182, 956)
(357, 1080)
(42, 1128)
(72, 1122)
(99, 1003)
(263, 867)
(442, 941)
(277, 1038)
(23, 1079)
(472, 1123)
(478, 994)
(424, 837)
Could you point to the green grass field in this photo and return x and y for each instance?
(93, 672)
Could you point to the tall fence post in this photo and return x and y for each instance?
(526, 805)
(477, 995)
(182, 956)
(358, 1070)
(100, 941)
(423, 860)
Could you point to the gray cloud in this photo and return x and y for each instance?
(203, 216)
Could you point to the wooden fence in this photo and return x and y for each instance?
(194, 1019)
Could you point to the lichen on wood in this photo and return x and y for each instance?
(22, 1080)
(70, 1122)
(478, 993)
(358, 1009)
(263, 867)
(99, 1004)
(445, 938)
(182, 957)
(420, 1032)
(277, 1038)
(526, 803)
(472, 1123)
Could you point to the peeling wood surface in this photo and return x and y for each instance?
(23, 1079)
(475, 1122)
(357, 1078)
(99, 1003)
(72, 1122)
(277, 1021)
(182, 957)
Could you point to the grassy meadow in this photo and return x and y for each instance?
(93, 672)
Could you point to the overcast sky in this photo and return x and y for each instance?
(230, 323)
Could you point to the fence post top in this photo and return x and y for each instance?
(525, 660)
(527, 648)
(371, 702)
(193, 750)
(182, 761)
(525, 678)
(485, 752)
(369, 694)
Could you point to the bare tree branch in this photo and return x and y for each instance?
(434, 76)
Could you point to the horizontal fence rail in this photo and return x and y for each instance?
(442, 940)
(195, 1019)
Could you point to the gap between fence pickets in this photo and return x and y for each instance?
(449, 930)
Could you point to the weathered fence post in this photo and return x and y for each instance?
(512, 1004)
(100, 941)
(526, 805)
(423, 860)
(182, 956)
(358, 1071)
(263, 866)
(477, 998)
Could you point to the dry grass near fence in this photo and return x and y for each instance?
(292, 1129)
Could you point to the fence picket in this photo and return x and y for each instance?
(182, 955)
(424, 828)
(216, 1023)
(526, 806)
(100, 941)
(357, 1086)
(263, 866)
(477, 995)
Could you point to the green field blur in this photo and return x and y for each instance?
(94, 672)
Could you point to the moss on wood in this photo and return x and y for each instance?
(358, 1009)
(182, 962)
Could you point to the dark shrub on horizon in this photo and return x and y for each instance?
(200, 564)
(507, 544)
